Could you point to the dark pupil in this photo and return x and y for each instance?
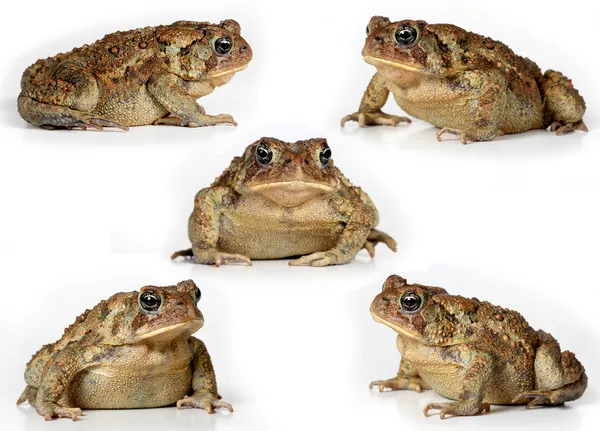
(150, 301)
(223, 45)
(198, 294)
(325, 155)
(367, 29)
(411, 302)
(264, 154)
(406, 35)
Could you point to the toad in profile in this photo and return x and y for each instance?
(151, 75)
(473, 352)
(463, 83)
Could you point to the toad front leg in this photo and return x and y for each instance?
(65, 366)
(369, 112)
(204, 383)
(358, 219)
(476, 379)
(406, 379)
(204, 226)
(172, 92)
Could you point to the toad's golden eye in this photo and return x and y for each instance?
(410, 302)
(150, 301)
(223, 45)
(263, 154)
(197, 294)
(406, 35)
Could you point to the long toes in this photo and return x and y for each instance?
(223, 405)
(393, 120)
(69, 413)
(432, 406)
(237, 258)
(391, 244)
(227, 259)
(370, 247)
(581, 126)
(538, 401)
(107, 123)
(85, 124)
(302, 261)
(351, 117)
(315, 259)
(226, 118)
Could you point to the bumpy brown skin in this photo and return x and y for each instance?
(119, 356)
(463, 83)
(151, 75)
(473, 352)
(297, 204)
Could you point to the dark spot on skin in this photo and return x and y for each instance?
(419, 55)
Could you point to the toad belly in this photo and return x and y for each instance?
(261, 229)
(106, 388)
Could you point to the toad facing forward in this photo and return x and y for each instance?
(134, 350)
(473, 352)
(282, 200)
(151, 75)
(463, 83)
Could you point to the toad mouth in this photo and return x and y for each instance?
(294, 184)
(396, 328)
(228, 72)
(383, 62)
(159, 331)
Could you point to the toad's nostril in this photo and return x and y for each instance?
(243, 48)
(379, 38)
(180, 303)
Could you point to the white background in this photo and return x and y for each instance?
(88, 214)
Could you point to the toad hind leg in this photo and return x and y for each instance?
(204, 225)
(50, 117)
(564, 105)
(559, 376)
(486, 108)
(375, 237)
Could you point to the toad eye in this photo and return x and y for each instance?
(410, 302)
(325, 155)
(197, 295)
(263, 154)
(406, 35)
(223, 45)
(150, 301)
(367, 30)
